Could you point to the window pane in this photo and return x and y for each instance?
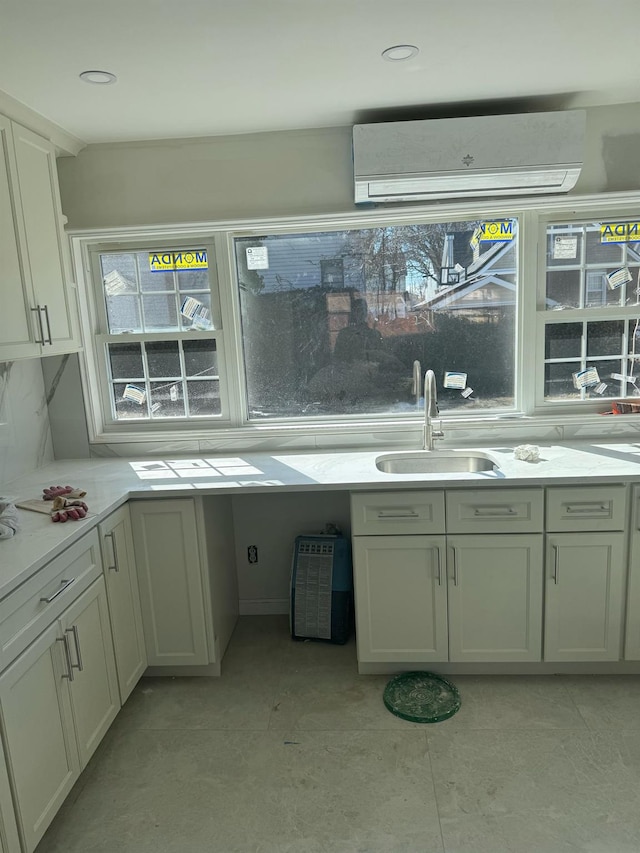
(200, 358)
(598, 252)
(167, 400)
(126, 361)
(204, 397)
(160, 312)
(605, 338)
(123, 313)
(563, 289)
(332, 322)
(163, 359)
(128, 405)
(563, 340)
(558, 381)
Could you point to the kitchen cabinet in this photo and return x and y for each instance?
(584, 596)
(401, 595)
(123, 596)
(39, 315)
(58, 688)
(170, 555)
(495, 585)
(585, 572)
(632, 635)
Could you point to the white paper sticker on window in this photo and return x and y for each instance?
(585, 378)
(618, 277)
(115, 283)
(257, 258)
(156, 408)
(196, 312)
(467, 392)
(135, 394)
(452, 379)
(173, 393)
(601, 388)
(565, 246)
(622, 378)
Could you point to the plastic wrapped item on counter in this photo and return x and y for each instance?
(9, 519)
(527, 453)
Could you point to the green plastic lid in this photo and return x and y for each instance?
(421, 697)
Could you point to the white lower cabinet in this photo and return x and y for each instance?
(401, 598)
(57, 700)
(495, 597)
(173, 581)
(9, 838)
(123, 595)
(584, 596)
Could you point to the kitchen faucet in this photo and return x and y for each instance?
(430, 410)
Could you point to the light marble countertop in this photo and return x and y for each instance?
(111, 482)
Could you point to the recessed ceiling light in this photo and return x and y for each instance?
(100, 78)
(400, 52)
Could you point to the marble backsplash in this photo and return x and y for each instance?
(25, 434)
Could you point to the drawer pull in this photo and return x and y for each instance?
(494, 512)
(67, 654)
(115, 567)
(555, 564)
(583, 509)
(41, 341)
(65, 585)
(49, 340)
(455, 567)
(74, 631)
(439, 568)
(400, 513)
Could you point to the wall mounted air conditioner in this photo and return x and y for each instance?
(500, 155)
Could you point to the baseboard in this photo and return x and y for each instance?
(207, 670)
(264, 606)
(543, 668)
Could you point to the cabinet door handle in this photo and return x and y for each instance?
(455, 566)
(67, 653)
(583, 509)
(115, 567)
(400, 513)
(49, 339)
(555, 564)
(494, 512)
(74, 631)
(439, 568)
(65, 585)
(42, 341)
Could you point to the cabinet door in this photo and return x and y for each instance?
(44, 240)
(495, 597)
(167, 554)
(9, 839)
(632, 639)
(583, 603)
(401, 598)
(124, 599)
(95, 700)
(39, 741)
(17, 339)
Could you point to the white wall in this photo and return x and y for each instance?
(275, 174)
(25, 435)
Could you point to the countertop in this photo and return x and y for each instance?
(111, 482)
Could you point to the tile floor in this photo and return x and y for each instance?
(290, 751)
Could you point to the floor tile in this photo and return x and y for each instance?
(513, 702)
(606, 701)
(549, 773)
(171, 792)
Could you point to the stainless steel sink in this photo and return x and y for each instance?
(435, 462)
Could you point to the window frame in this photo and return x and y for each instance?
(533, 214)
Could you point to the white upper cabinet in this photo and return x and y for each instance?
(39, 314)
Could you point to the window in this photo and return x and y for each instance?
(333, 321)
(158, 333)
(592, 310)
(316, 325)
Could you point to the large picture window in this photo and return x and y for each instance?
(333, 322)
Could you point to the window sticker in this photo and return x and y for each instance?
(467, 392)
(135, 394)
(600, 389)
(196, 259)
(492, 232)
(173, 393)
(156, 408)
(620, 378)
(115, 283)
(586, 378)
(453, 379)
(257, 258)
(618, 277)
(620, 232)
(196, 312)
(565, 246)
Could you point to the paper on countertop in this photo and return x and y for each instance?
(527, 453)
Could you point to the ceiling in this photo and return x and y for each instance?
(210, 67)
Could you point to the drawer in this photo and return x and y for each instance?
(33, 606)
(586, 508)
(381, 513)
(495, 511)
